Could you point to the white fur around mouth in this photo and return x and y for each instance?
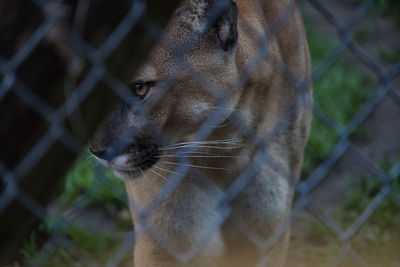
(120, 161)
(120, 167)
(117, 164)
(127, 173)
(123, 169)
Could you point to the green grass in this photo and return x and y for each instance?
(340, 93)
(88, 246)
(83, 188)
(390, 8)
(364, 190)
(382, 8)
(390, 56)
(103, 187)
(379, 238)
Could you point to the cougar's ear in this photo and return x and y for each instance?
(226, 24)
(224, 15)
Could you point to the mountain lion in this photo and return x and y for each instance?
(225, 89)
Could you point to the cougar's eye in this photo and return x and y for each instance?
(141, 89)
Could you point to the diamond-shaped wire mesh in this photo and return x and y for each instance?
(73, 50)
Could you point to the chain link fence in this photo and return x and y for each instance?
(86, 65)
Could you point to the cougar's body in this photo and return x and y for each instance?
(264, 50)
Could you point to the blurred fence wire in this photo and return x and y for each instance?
(77, 50)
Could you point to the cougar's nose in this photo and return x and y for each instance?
(98, 153)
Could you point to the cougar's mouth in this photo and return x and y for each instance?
(132, 162)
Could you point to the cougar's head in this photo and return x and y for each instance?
(175, 90)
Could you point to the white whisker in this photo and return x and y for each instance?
(196, 156)
(188, 152)
(193, 152)
(195, 166)
(163, 169)
(165, 179)
(222, 125)
(140, 169)
(209, 142)
(203, 146)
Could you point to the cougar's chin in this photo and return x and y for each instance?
(133, 162)
(130, 166)
(127, 174)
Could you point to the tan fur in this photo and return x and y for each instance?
(192, 209)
